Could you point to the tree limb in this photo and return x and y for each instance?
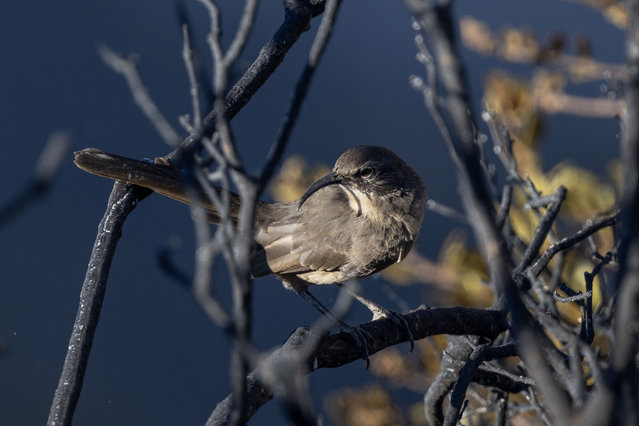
(338, 349)
(124, 197)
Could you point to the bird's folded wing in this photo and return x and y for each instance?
(296, 246)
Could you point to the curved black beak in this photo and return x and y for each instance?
(329, 179)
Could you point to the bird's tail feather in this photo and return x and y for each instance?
(161, 178)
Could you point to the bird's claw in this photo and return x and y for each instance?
(399, 321)
(359, 335)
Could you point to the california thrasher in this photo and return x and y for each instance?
(357, 220)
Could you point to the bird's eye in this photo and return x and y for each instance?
(366, 172)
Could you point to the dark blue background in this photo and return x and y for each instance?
(157, 359)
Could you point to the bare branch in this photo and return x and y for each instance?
(459, 391)
(167, 262)
(570, 241)
(45, 172)
(574, 298)
(614, 403)
(504, 207)
(296, 20)
(205, 254)
(238, 251)
(122, 201)
(434, 21)
(243, 32)
(128, 69)
(437, 207)
(188, 56)
(543, 228)
(317, 49)
(338, 349)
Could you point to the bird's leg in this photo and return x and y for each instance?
(357, 333)
(381, 312)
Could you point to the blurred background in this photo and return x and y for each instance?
(157, 359)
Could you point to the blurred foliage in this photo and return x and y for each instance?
(613, 10)
(370, 406)
(520, 45)
(373, 404)
(294, 177)
(555, 67)
(458, 276)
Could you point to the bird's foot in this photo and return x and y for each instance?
(397, 318)
(381, 312)
(359, 335)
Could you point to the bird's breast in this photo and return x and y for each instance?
(365, 204)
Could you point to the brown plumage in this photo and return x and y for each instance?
(362, 217)
(359, 219)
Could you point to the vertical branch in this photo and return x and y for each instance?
(315, 55)
(221, 65)
(122, 201)
(45, 172)
(238, 254)
(292, 391)
(243, 32)
(457, 396)
(127, 68)
(615, 401)
(189, 63)
(629, 248)
(623, 359)
(453, 358)
(205, 254)
(242, 297)
(248, 188)
(436, 24)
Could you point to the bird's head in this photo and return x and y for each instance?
(372, 174)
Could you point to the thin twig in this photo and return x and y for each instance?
(44, 174)
(299, 95)
(437, 207)
(296, 21)
(574, 298)
(127, 68)
(205, 252)
(167, 263)
(238, 253)
(457, 397)
(189, 63)
(243, 32)
(543, 227)
(516, 378)
(588, 333)
(504, 207)
(570, 241)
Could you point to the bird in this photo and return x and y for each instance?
(360, 218)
